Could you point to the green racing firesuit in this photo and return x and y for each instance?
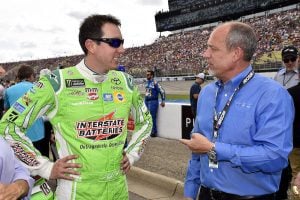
(89, 114)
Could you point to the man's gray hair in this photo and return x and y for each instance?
(243, 36)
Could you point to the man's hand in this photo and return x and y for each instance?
(125, 164)
(162, 104)
(14, 191)
(63, 169)
(198, 143)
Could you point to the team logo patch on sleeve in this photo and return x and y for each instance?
(54, 77)
(104, 128)
(27, 157)
(26, 99)
(13, 116)
(39, 84)
(18, 107)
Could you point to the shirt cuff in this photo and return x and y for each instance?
(191, 190)
(223, 151)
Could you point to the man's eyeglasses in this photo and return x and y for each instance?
(287, 60)
(113, 42)
(148, 74)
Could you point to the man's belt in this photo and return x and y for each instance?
(218, 195)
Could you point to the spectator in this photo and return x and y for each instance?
(242, 153)
(2, 89)
(195, 90)
(192, 183)
(295, 155)
(15, 181)
(36, 132)
(153, 90)
(288, 75)
(121, 68)
(88, 106)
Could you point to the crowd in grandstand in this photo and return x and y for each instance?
(180, 53)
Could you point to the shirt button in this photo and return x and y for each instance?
(225, 95)
(211, 170)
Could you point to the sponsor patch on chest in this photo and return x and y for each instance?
(70, 83)
(106, 127)
(92, 93)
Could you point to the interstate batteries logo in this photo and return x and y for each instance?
(105, 128)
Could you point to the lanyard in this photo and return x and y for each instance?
(286, 82)
(218, 120)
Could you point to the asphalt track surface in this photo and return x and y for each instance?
(167, 157)
(173, 87)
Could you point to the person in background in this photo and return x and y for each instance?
(36, 133)
(194, 92)
(15, 180)
(191, 182)
(288, 75)
(295, 155)
(2, 89)
(121, 68)
(88, 106)
(153, 90)
(243, 135)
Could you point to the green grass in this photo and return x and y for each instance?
(178, 96)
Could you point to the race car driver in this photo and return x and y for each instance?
(88, 106)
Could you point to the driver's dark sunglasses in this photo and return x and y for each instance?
(113, 42)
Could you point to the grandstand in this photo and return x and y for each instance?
(191, 13)
(180, 53)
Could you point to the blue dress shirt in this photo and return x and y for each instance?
(254, 140)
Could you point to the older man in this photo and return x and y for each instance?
(243, 135)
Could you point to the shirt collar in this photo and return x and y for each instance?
(283, 71)
(89, 74)
(235, 81)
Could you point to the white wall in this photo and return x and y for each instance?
(174, 121)
(169, 121)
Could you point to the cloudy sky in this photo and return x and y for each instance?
(35, 29)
